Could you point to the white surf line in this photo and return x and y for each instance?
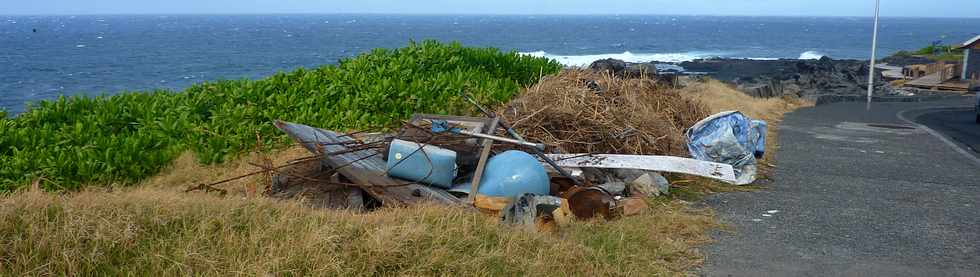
(956, 147)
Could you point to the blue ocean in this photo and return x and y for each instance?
(42, 57)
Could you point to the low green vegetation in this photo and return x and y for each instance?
(126, 137)
(935, 52)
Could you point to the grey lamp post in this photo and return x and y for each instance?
(874, 52)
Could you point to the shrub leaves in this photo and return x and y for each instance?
(124, 138)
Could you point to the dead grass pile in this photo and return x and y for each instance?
(587, 112)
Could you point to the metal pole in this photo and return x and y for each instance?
(874, 52)
(539, 146)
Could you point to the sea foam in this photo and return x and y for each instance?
(586, 60)
(811, 55)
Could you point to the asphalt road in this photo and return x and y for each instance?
(856, 193)
(958, 124)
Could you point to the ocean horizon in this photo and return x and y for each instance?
(53, 55)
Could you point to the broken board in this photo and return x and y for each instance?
(718, 171)
(366, 168)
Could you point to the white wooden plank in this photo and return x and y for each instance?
(718, 171)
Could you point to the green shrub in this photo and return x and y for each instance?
(939, 50)
(126, 137)
(948, 53)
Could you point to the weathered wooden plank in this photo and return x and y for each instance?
(719, 171)
(365, 167)
(481, 165)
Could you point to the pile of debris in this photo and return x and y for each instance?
(607, 129)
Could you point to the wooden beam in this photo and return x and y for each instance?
(718, 171)
(481, 166)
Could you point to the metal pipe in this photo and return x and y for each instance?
(539, 146)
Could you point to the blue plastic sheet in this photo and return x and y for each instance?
(731, 138)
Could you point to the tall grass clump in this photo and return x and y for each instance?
(124, 138)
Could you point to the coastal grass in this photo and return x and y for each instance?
(162, 232)
(122, 139)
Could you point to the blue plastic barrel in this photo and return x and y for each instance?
(514, 173)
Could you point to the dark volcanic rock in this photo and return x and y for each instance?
(625, 69)
(803, 78)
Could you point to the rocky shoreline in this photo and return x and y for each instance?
(770, 78)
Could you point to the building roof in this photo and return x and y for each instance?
(970, 43)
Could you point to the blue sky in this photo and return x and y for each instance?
(914, 8)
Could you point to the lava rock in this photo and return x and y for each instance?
(802, 78)
(649, 184)
(625, 69)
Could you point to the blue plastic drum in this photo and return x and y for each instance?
(514, 173)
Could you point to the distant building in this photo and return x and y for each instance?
(971, 59)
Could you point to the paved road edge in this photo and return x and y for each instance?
(943, 138)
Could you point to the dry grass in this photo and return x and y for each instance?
(719, 97)
(587, 112)
(186, 171)
(160, 232)
(155, 229)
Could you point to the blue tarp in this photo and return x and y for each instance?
(731, 138)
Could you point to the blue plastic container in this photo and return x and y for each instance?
(514, 173)
(426, 164)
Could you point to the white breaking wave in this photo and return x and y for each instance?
(586, 60)
(811, 55)
(760, 59)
